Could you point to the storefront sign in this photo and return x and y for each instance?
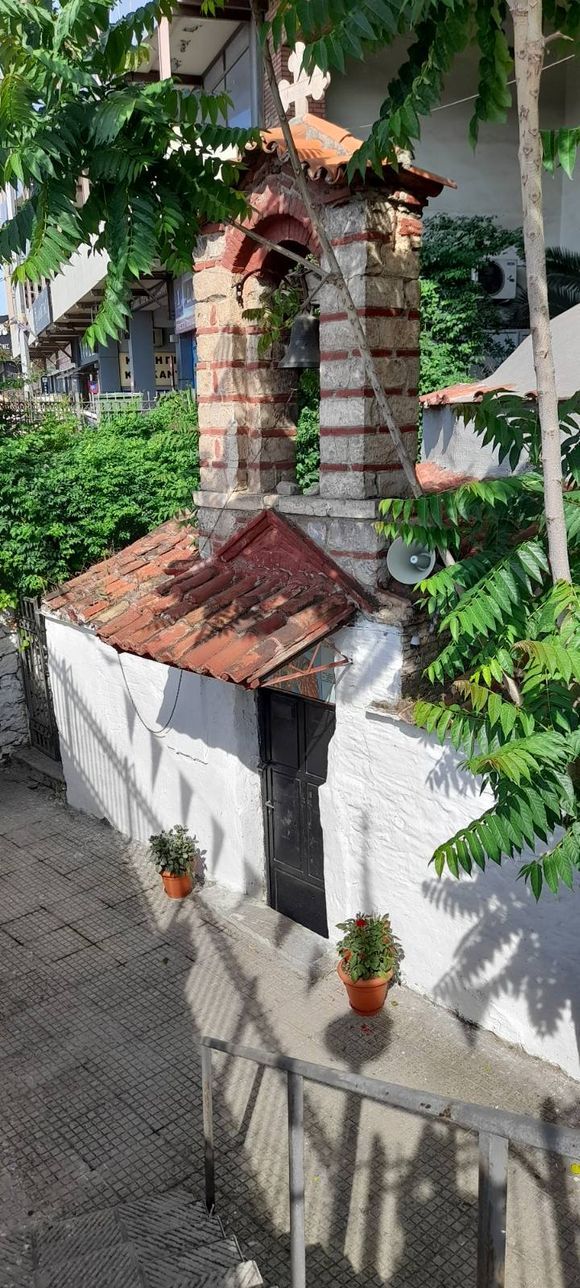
(164, 370)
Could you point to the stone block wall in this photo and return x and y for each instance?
(13, 719)
(377, 241)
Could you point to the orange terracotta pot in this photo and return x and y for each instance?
(177, 887)
(366, 996)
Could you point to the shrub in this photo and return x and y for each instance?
(369, 947)
(308, 430)
(176, 852)
(307, 448)
(70, 496)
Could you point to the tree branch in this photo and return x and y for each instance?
(529, 58)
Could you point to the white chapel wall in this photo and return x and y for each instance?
(480, 946)
(202, 771)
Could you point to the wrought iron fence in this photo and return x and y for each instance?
(20, 412)
(41, 718)
(495, 1128)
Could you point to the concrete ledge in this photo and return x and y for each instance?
(34, 766)
(320, 506)
(306, 953)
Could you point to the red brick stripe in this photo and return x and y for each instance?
(256, 400)
(409, 226)
(371, 235)
(207, 462)
(201, 264)
(234, 362)
(242, 431)
(229, 329)
(357, 430)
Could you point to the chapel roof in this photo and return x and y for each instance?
(266, 596)
(325, 150)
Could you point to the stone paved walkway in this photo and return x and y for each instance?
(105, 987)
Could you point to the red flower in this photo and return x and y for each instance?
(360, 921)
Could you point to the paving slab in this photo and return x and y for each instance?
(100, 1078)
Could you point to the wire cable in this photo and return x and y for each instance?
(158, 733)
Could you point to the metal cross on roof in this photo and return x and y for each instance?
(302, 87)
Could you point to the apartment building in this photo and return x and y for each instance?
(157, 352)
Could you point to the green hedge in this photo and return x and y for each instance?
(70, 496)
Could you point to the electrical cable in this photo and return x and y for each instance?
(470, 98)
(156, 732)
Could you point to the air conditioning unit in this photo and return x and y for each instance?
(498, 276)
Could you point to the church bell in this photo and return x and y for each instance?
(303, 348)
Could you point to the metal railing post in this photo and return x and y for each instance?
(209, 1157)
(494, 1127)
(296, 1180)
(493, 1165)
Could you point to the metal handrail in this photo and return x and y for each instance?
(495, 1129)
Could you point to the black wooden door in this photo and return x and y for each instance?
(296, 734)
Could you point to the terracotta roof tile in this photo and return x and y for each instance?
(325, 150)
(266, 595)
(454, 395)
(436, 478)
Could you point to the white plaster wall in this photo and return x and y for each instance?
(480, 946)
(487, 179)
(450, 441)
(13, 718)
(202, 771)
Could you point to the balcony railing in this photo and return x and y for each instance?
(495, 1128)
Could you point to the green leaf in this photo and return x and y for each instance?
(536, 879)
(567, 145)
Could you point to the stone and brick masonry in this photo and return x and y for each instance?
(13, 721)
(247, 405)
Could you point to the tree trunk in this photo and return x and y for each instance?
(529, 58)
(337, 275)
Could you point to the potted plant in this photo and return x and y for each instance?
(175, 854)
(369, 961)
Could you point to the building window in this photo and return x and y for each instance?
(231, 73)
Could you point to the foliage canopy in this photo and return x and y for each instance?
(457, 318)
(151, 152)
(498, 614)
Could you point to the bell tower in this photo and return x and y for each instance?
(247, 405)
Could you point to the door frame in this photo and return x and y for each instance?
(267, 812)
